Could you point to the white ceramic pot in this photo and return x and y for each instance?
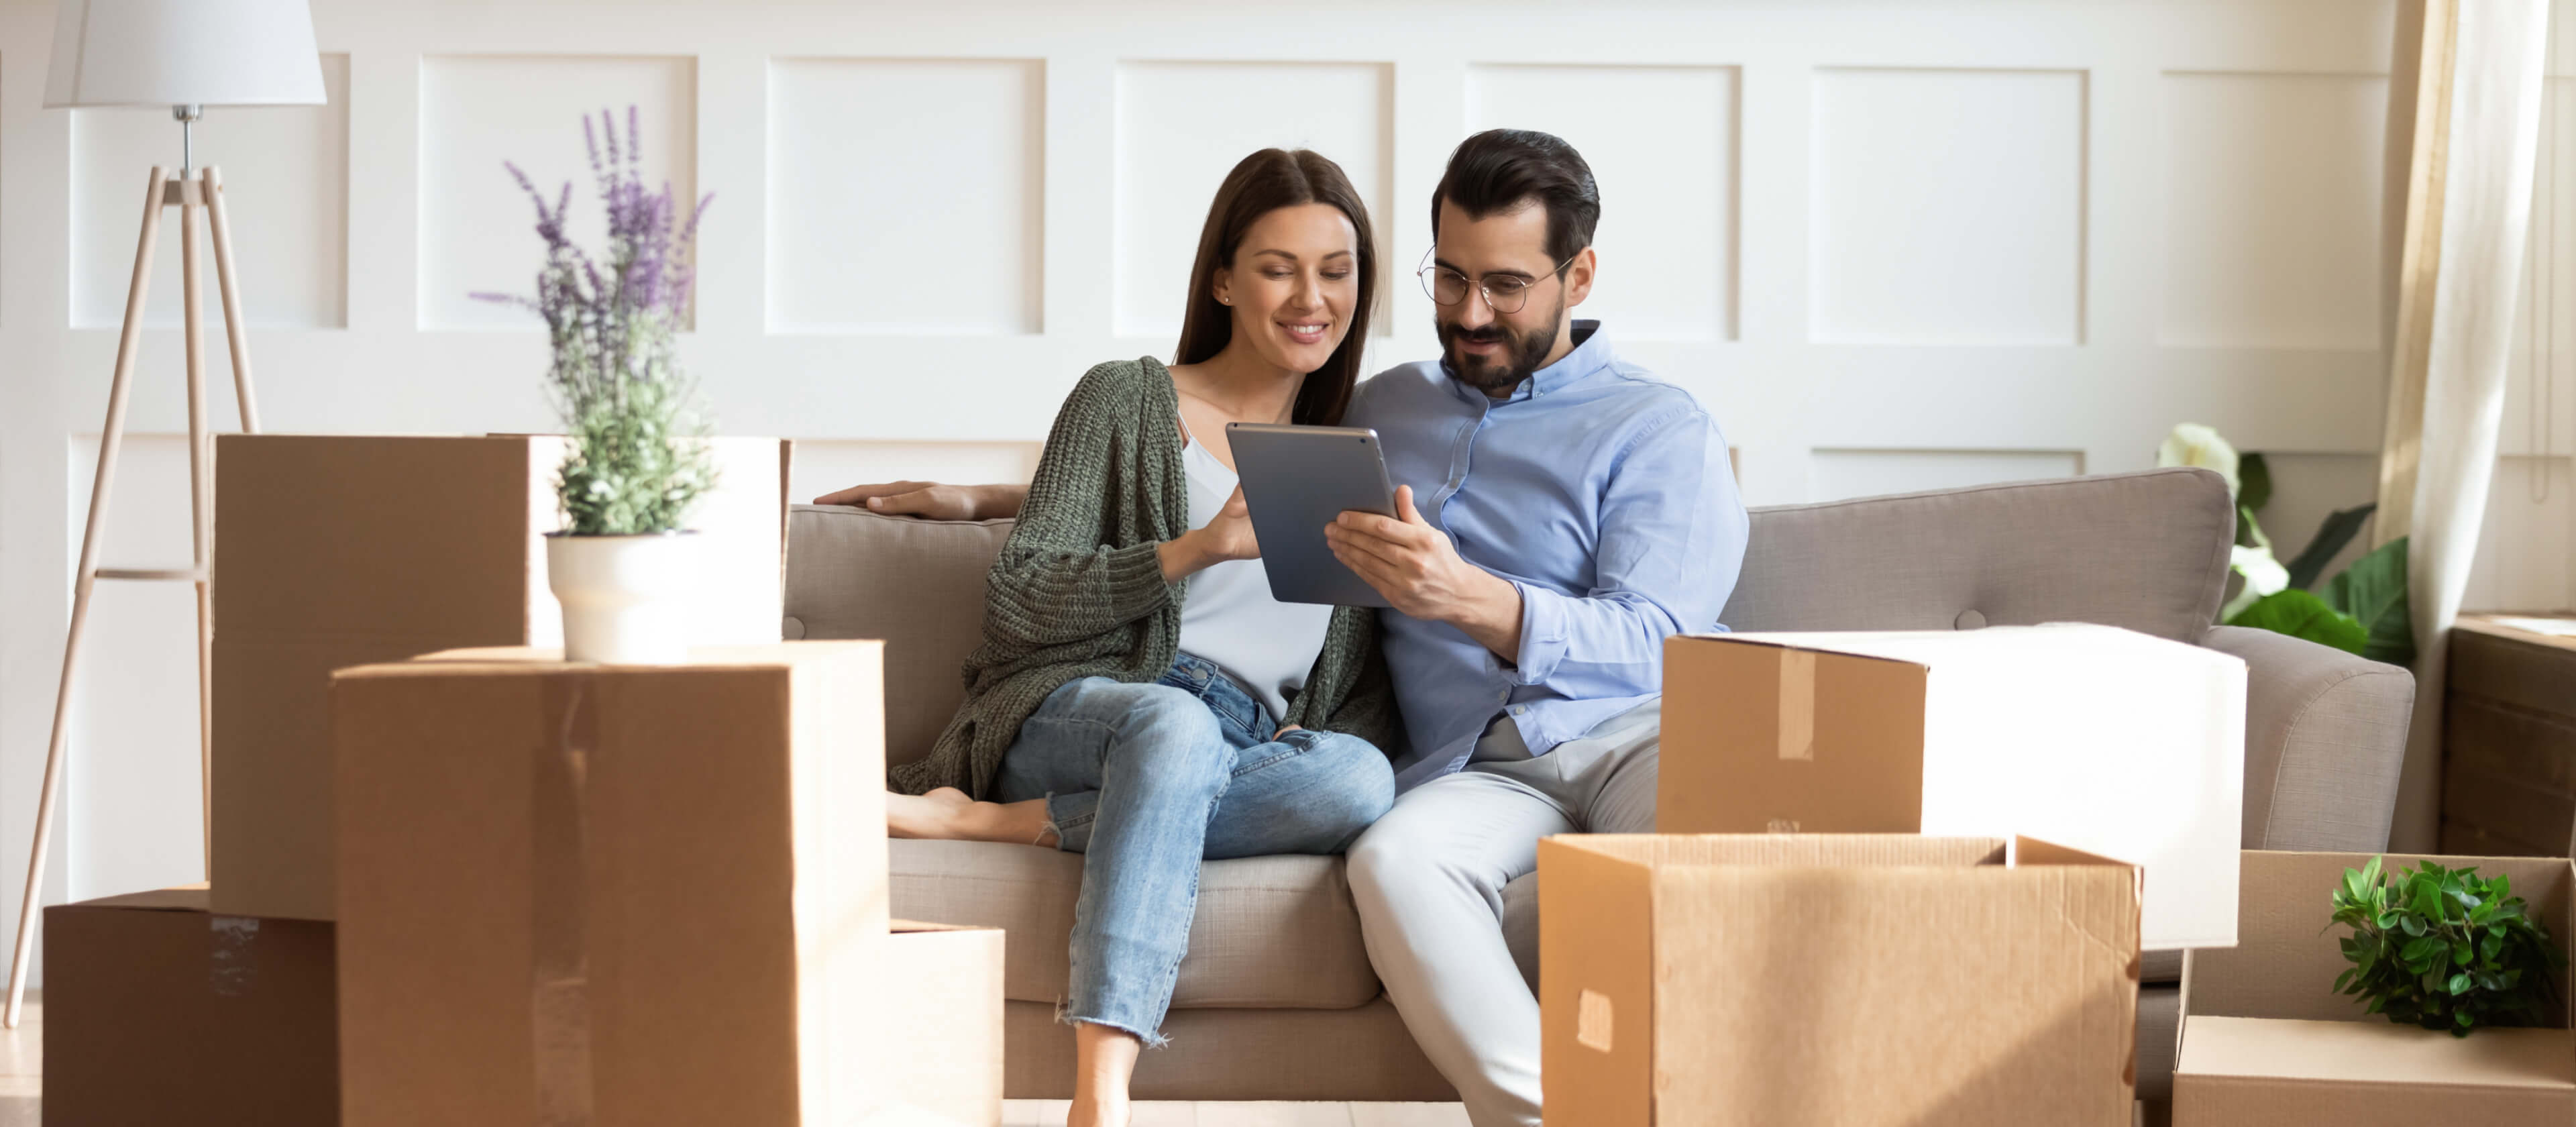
(626, 599)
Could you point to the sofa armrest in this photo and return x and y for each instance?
(2325, 733)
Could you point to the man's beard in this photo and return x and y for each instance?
(1521, 354)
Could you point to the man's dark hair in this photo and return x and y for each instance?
(1502, 170)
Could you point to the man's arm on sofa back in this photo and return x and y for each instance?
(2325, 733)
(931, 500)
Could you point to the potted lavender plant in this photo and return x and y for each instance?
(634, 461)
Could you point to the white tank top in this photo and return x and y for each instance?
(1227, 614)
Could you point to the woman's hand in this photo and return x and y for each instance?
(1228, 536)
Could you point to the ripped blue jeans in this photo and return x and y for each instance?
(1147, 780)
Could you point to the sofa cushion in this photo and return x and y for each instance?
(1362, 1054)
(917, 584)
(2147, 551)
(1271, 932)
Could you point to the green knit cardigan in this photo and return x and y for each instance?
(1078, 589)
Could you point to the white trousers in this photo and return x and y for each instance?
(1457, 951)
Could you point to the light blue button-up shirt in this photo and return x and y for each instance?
(1600, 492)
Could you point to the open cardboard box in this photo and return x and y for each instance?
(2102, 739)
(341, 550)
(1835, 979)
(2266, 1042)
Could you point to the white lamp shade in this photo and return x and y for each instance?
(184, 52)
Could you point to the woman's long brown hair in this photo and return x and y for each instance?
(1265, 182)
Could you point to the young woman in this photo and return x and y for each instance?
(1139, 697)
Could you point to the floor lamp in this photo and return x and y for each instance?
(183, 55)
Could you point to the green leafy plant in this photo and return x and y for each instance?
(2444, 949)
(2361, 610)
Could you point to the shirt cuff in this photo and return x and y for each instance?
(1543, 630)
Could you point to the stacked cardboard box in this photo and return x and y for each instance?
(2097, 738)
(333, 551)
(639, 895)
(644, 895)
(1761, 980)
(2267, 1042)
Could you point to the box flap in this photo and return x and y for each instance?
(2032, 851)
(2377, 1052)
(1597, 959)
(1790, 850)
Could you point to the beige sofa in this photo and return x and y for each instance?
(1276, 999)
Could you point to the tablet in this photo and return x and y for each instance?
(1296, 480)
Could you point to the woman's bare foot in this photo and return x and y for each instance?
(933, 815)
(946, 814)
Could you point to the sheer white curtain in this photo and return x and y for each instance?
(2475, 109)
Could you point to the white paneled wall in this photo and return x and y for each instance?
(1922, 244)
(1168, 161)
(1949, 206)
(845, 239)
(2277, 176)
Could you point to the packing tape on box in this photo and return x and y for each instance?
(559, 911)
(232, 960)
(1797, 704)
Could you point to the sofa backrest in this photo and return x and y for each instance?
(917, 584)
(2147, 551)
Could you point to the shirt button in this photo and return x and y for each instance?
(1520, 710)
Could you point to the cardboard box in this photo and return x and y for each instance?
(2509, 736)
(1834, 979)
(336, 551)
(622, 895)
(2101, 739)
(2266, 1041)
(938, 1010)
(159, 1011)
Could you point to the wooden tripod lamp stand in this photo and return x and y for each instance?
(182, 55)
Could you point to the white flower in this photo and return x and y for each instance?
(2263, 576)
(2192, 444)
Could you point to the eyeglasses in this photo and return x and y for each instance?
(1504, 293)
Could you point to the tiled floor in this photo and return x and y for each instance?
(22, 1065)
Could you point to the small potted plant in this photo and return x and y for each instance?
(2445, 949)
(635, 460)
